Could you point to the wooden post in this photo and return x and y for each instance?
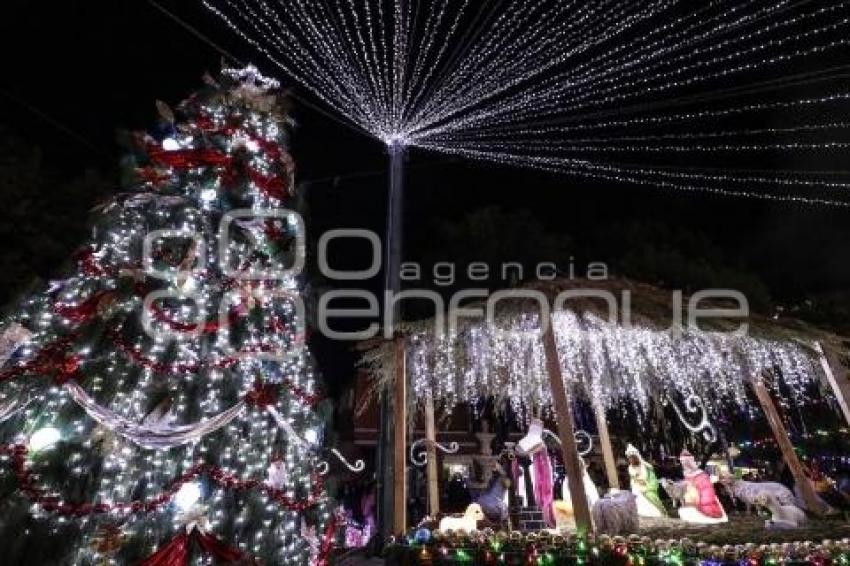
(838, 378)
(400, 440)
(431, 440)
(781, 435)
(607, 450)
(528, 483)
(602, 427)
(507, 460)
(566, 432)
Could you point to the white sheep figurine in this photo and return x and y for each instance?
(782, 516)
(675, 490)
(466, 524)
(749, 491)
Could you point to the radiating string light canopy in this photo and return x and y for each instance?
(665, 93)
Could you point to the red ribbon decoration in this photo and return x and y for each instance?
(69, 370)
(153, 176)
(263, 395)
(327, 543)
(274, 186)
(50, 360)
(176, 552)
(271, 148)
(204, 122)
(209, 327)
(188, 158)
(89, 265)
(83, 311)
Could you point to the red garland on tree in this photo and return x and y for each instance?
(27, 484)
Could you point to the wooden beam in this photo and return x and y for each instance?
(602, 423)
(807, 490)
(384, 464)
(400, 440)
(607, 450)
(433, 477)
(566, 432)
(838, 378)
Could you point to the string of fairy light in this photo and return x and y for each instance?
(680, 88)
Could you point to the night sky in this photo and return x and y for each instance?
(92, 67)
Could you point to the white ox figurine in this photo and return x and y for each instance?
(465, 524)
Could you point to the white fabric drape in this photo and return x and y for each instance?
(10, 408)
(155, 437)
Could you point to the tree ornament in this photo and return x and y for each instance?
(104, 440)
(165, 111)
(13, 337)
(276, 475)
(308, 534)
(108, 540)
(422, 536)
(44, 438)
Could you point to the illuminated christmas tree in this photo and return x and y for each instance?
(159, 405)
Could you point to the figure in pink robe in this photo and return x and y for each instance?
(701, 504)
(541, 481)
(543, 485)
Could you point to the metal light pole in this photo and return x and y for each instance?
(390, 414)
(395, 210)
(392, 285)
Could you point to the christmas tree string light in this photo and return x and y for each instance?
(509, 81)
(160, 405)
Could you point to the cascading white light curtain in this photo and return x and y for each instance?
(611, 363)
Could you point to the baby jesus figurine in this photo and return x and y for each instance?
(700, 501)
